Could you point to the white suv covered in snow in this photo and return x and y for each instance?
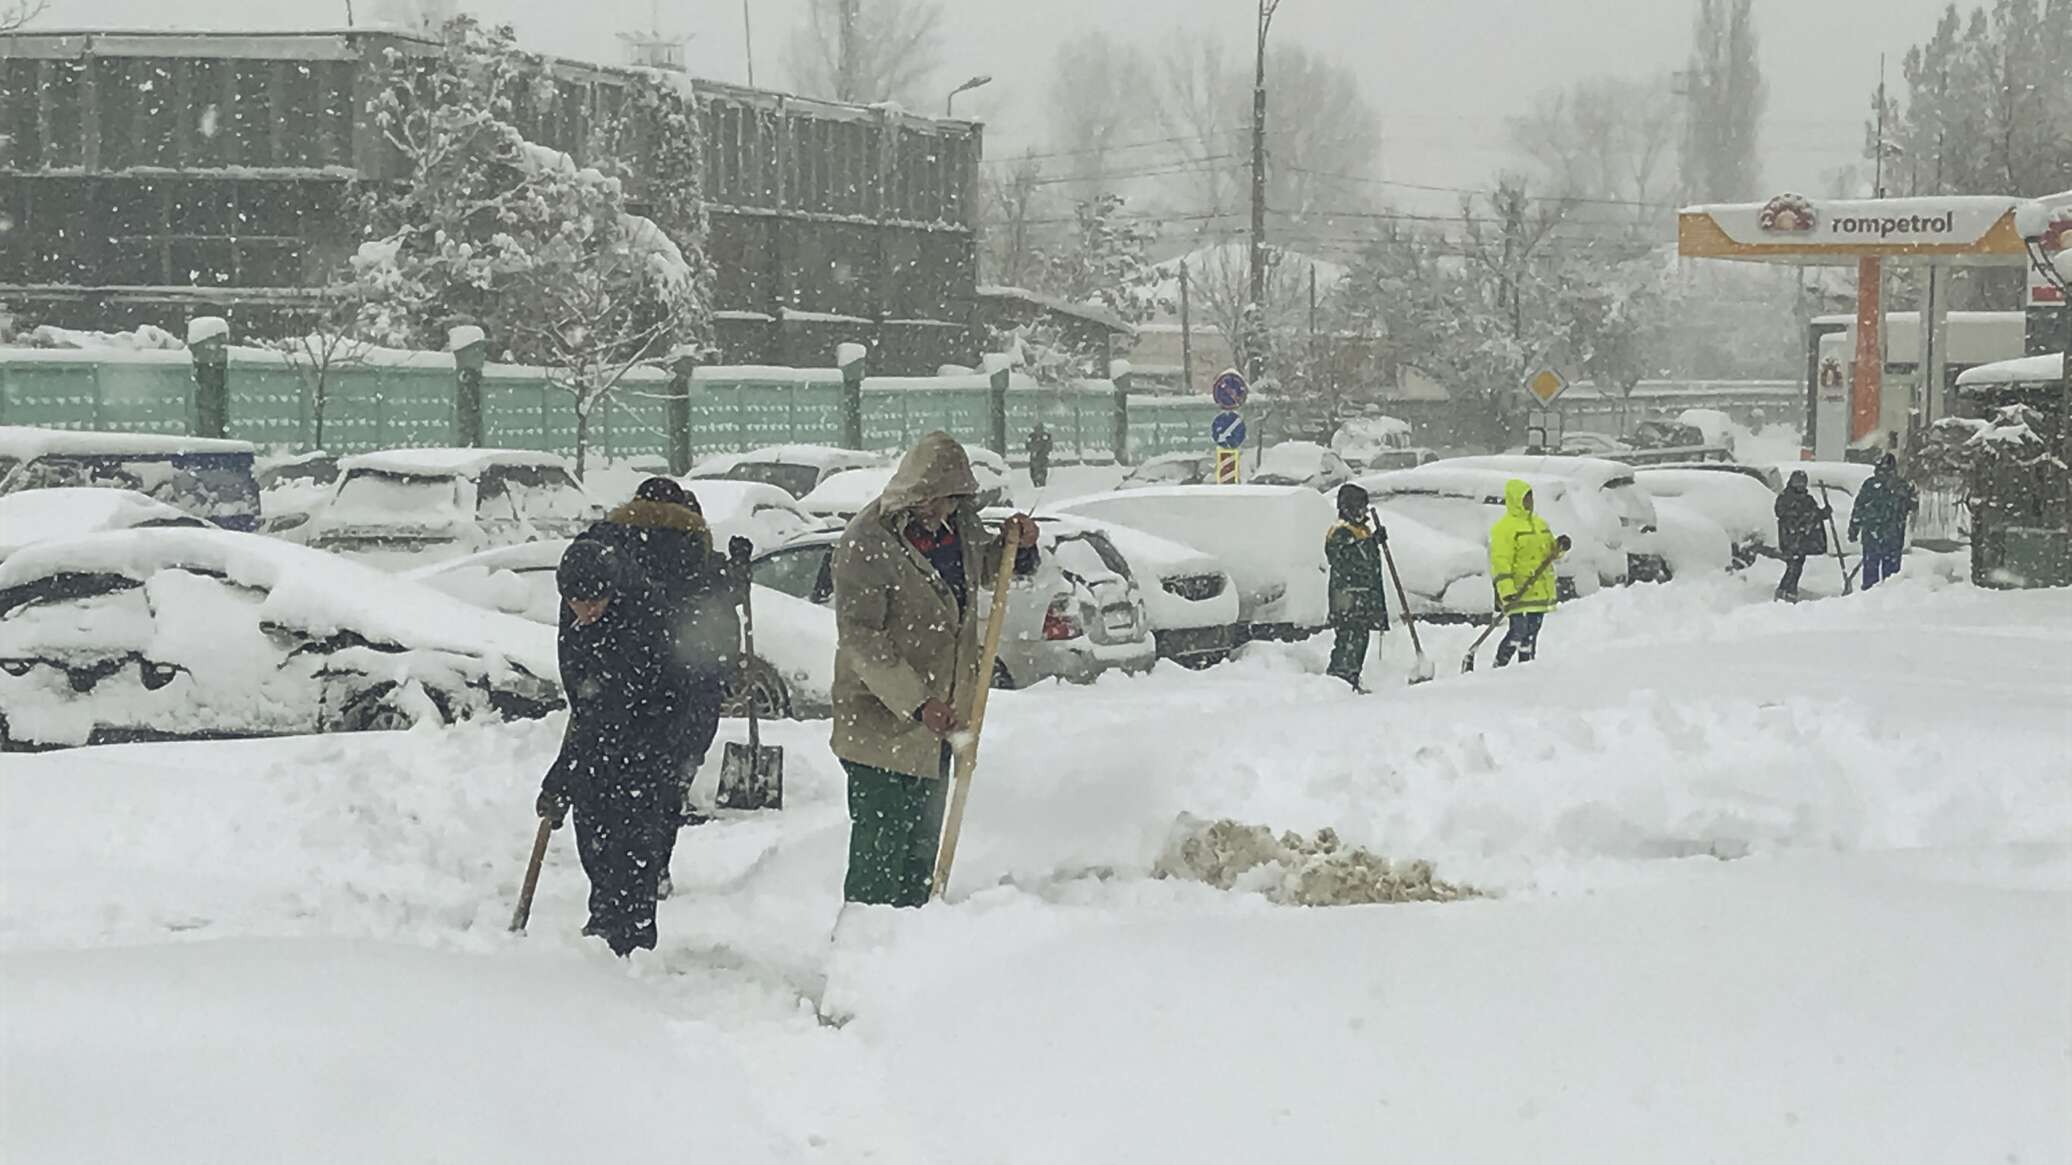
(414, 505)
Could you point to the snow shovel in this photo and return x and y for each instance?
(1421, 671)
(1467, 663)
(751, 776)
(523, 914)
(1835, 536)
(967, 747)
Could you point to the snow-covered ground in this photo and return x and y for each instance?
(1770, 883)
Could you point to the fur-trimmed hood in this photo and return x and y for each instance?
(641, 513)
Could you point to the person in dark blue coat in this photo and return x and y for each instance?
(1880, 516)
(617, 767)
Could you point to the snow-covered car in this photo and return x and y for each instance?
(841, 495)
(39, 515)
(1578, 444)
(790, 675)
(1689, 541)
(1716, 427)
(1743, 507)
(763, 514)
(1171, 469)
(1766, 475)
(1270, 538)
(795, 469)
(156, 634)
(1659, 434)
(1605, 508)
(293, 487)
(1388, 459)
(1447, 560)
(1190, 601)
(1303, 463)
(1069, 621)
(208, 479)
(1362, 441)
(411, 506)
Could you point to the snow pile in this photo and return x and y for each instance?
(146, 338)
(37, 515)
(1300, 871)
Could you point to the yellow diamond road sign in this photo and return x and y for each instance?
(1545, 385)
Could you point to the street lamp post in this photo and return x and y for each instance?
(949, 103)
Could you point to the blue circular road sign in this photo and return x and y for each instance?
(1229, 390)
(1227, 430)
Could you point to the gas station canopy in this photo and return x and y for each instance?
(1954, 230)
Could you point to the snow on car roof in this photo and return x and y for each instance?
(24, 443)
(1136, 546)
(1298, 458)
(1593, 471)
(848, 491)
(819, 456)
(306, 589)
(39, 515)
(1442, 479)
(723, 501)
(1192, 492)
(441, 462)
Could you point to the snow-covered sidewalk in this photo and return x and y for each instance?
(1773, 883)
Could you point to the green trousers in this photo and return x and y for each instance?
(895, 825)
(1348, 652)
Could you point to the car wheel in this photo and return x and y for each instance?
(763, 687)
(381, 708)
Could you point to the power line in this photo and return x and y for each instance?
(1425, 186)
(1180, 139)
(1195, 166)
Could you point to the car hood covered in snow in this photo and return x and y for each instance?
(309, 590)
(38, 515)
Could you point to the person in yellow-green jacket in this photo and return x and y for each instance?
(1519, 544)
(1359, 605)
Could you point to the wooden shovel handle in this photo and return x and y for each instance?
(967, 756)
(523, 914)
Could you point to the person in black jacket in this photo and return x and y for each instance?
(663, 531)
(1800, 533)
(617, 766)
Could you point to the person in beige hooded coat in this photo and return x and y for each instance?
(908, 572)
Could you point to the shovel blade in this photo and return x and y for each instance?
(1422, 671)
(750, 777)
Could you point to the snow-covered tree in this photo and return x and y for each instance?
(1104, 264)
(333, 330)
(18, 13)
(518, 238)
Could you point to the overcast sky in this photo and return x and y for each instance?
(1444, 74)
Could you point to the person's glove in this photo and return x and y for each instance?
(1565, 543)
(740, 550)
(552, 807)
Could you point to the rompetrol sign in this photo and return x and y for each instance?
(1791, 228)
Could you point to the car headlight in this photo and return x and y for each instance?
(17, 667)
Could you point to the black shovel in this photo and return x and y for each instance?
(751, 776)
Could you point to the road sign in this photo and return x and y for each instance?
(1228, 466)
(1227, 430)
(1229, 390)
(1545, 385)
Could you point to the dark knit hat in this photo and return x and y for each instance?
(1352, 501)
(662, 489)
(589, 571)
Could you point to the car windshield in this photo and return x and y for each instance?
(796, 480)
(531, 493)
(1078, 556)
(218, 487)
(377, 497)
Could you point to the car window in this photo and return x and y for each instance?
(69, 615)
(543, 493)
(1079, 557)
(796, 480)
(796, 572)
(379, 497)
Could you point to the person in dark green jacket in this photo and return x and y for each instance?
(1359, 604)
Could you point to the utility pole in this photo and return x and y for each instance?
(1257, 288)
(1878, 183)
(846, 51)
(748, 42)
(1186, 336)
(1316, 380)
